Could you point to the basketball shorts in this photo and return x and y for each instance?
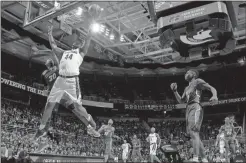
(136, 153)
(230, 141)
(65, 91)
(152, 149)
(108, 147)
(194, 117)
(124, 155)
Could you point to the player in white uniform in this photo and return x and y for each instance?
(155, 142)
(125, 150)
(66, 89)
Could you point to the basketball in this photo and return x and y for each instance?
(94, 10)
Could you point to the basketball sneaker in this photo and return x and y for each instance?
(92, 132)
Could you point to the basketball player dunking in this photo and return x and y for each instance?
(108, 134)
(125, 150)
(155, 143)
(66, 89)
(194, 112)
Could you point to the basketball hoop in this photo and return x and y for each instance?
(71, 18)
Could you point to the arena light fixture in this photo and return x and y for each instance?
(95, 27)
(242, 60)
(122, 38)
(102, 28)
(107, 32)
(57, 5)
(111, 37)
(79, 11)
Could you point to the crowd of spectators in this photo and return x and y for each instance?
(68, 135)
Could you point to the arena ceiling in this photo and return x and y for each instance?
(135, 35)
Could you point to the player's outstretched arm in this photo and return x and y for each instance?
(204, 85)
(58, 51)
(101, 129)
(177, 96)
(84, 49)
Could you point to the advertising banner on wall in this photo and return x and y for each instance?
(41, 92)
(180, 106)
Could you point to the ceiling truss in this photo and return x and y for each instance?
(139, 45)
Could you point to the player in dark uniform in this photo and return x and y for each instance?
(194, 111)
(108, 134)
(49, 75)
(230, 136)
(48, 78)
(136, 147)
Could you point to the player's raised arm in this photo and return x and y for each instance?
(58, 51)
(178, 97)
(101, 129)
(94, 12)
(84, 48)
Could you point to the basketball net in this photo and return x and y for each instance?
(71, 18)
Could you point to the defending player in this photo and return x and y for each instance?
(155, 143)
(108, 134)
(125, 150)
(136, 153)
(194, 111)
(49, 75)
(66, 89)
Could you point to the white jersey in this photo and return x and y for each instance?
(153, 143)
(125, 151)
(125, 147)
(70, 63)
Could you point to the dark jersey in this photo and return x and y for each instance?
(193, 92)
(136, 143)
(49, 77)
(108, 132)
